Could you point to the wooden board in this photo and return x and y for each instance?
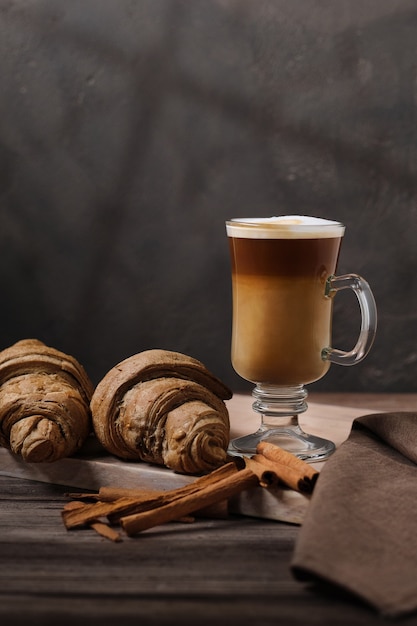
(93, 468)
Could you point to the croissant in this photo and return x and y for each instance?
(165, 408)
(44, 402)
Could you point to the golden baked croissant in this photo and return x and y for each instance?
(44, 402)
(163, 407)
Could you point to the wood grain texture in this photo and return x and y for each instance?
(235, 571)
(94, 469)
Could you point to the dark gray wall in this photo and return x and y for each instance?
(129, 132)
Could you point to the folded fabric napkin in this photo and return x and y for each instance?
(360, 529)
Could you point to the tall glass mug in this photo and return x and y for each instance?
(283, 283)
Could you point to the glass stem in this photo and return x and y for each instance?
(279, 406)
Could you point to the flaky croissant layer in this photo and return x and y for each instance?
(44, 402)
(163, 407)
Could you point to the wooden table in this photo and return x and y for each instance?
(233, 571)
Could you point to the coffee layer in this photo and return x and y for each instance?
(281, 315)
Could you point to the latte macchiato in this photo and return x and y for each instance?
(282, 318)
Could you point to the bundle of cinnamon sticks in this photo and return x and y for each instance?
(113, 510)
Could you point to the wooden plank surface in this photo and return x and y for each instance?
(94, 468)
(234, 571)
(386, 401)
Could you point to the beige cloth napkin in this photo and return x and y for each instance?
(360, 530)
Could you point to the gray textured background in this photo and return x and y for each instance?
(129, 132)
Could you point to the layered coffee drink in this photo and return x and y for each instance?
(282, 316)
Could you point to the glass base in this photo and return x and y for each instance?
(279, 408)
(307, 447)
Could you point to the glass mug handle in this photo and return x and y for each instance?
(368, 318)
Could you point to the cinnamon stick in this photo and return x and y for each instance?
(139, 509)
(72, 506)
(102, 529)
(83, 496)
(279, 455)
(205, 496)
(266, 476)
(127, 505)
(293, 478)
(106, 531)
(219, 510)
(110, 494)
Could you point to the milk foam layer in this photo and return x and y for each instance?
(284, 227)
